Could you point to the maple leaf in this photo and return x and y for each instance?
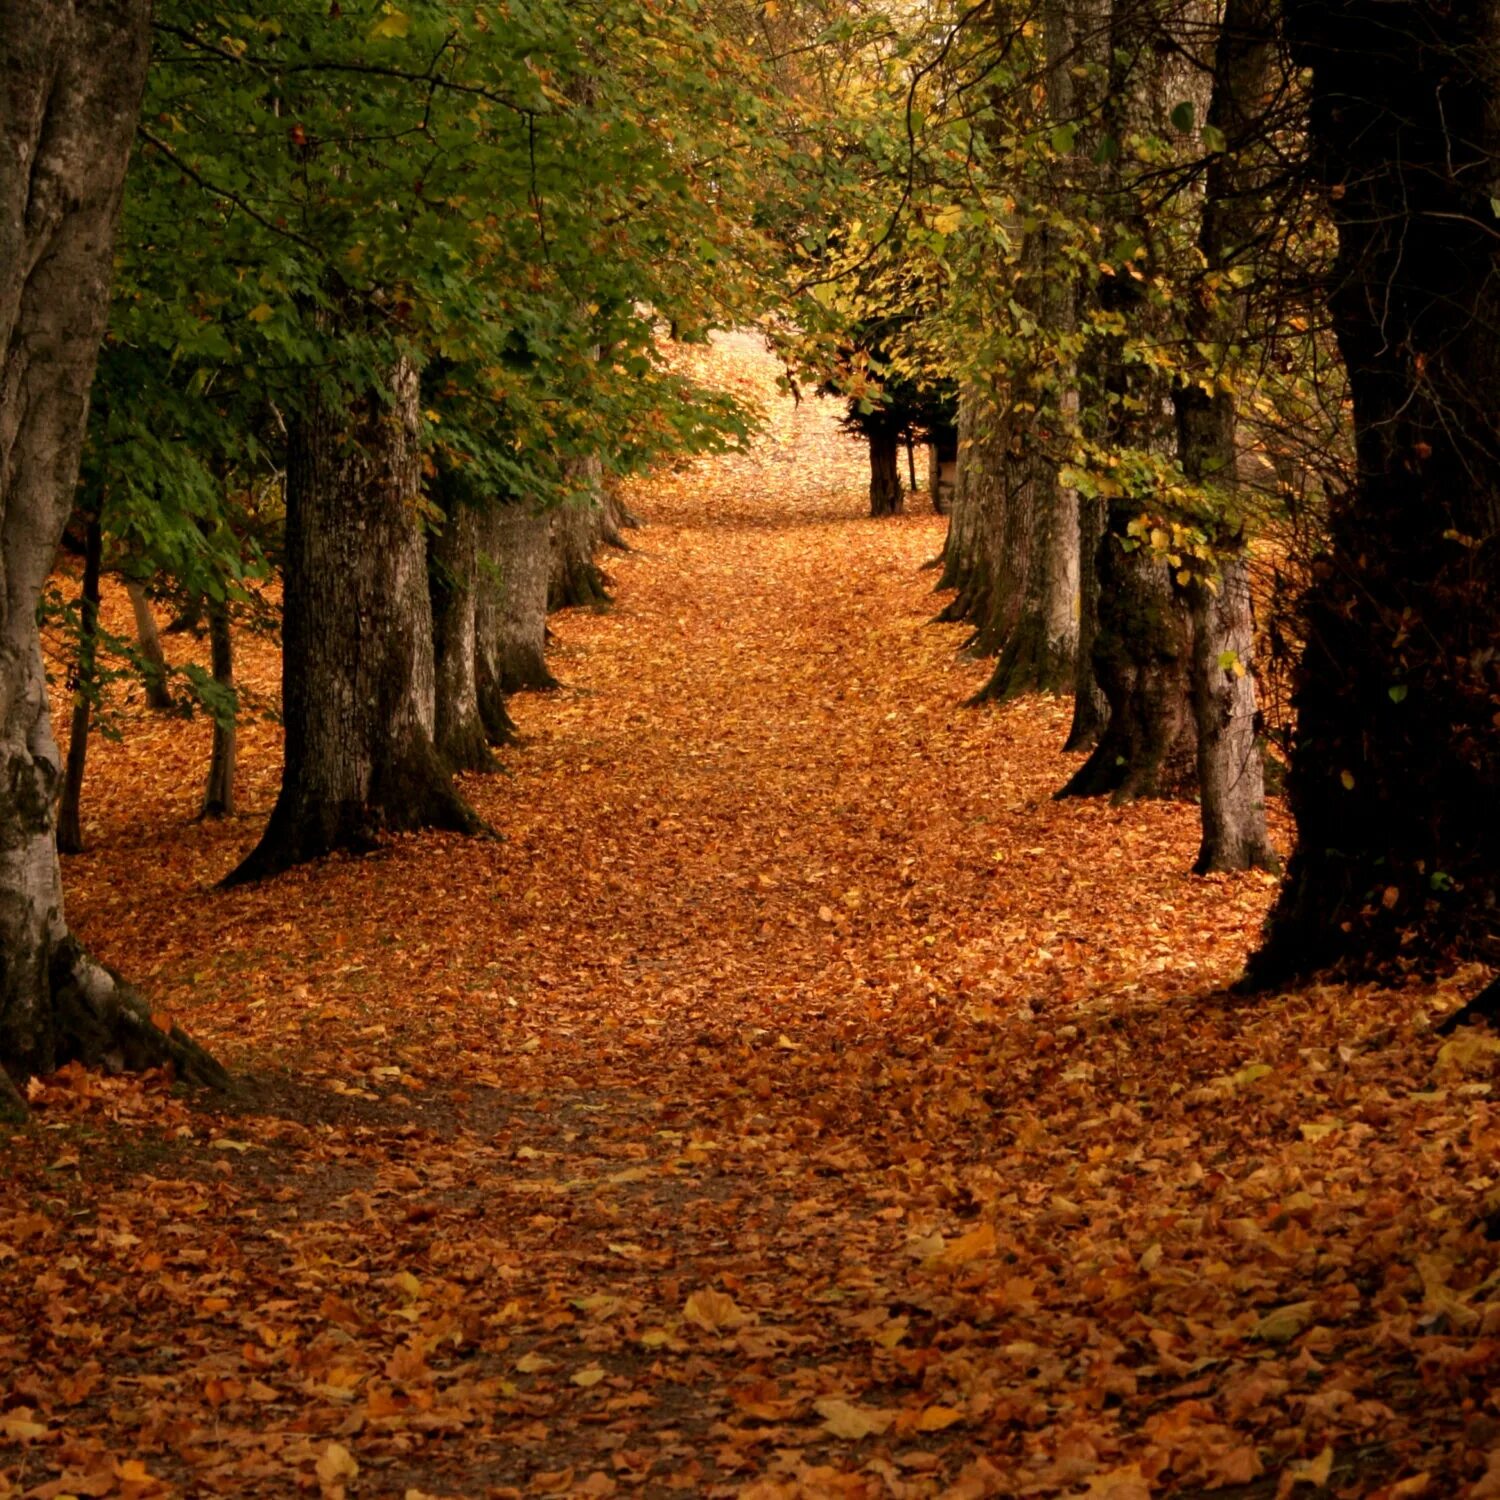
(714, 1312)
(336, 1468)
(845, 1420)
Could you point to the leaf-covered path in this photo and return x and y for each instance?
(797, 1102)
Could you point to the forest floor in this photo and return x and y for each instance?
(798, 1102)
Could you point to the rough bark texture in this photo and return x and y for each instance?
(71, 75)
(513, 584)
(1035, 600)
(1395, 772)
(1231, 765)
(1142, 647)
(1093, 175)
(70, 804)
(454, 579)
(577, 529)
(942, 466)
(973, 522)
(1231, 770)
(357, 657)
(218, 791)
(887, 497)
(148, 644)
(1090, 706)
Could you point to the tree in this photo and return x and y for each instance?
(74, 73)
(358, 676)
(1142, 646)
(1395, 769)
(1231, 770)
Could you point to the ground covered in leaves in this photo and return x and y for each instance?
(798, 1102)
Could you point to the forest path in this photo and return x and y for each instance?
(797, 1096)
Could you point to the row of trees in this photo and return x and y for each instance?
(1191, 266)
(383, 319)
(390, 285)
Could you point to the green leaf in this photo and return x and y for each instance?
(1182, 116)
(1063, 139)
(1398, 693)
(1213, 138)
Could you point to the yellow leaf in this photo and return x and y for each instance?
(845, 1420)
(1316, 1131)
(936, 1418)
(406, 1283)
(336, 1466)
(1282, 1324)
(1467, 1053)
(1119, 1484)
(534, 1364)
(589, 1377)
(18, 1425)
(975, 1245)
(260, 312)
(1312, 1470)
(392, 24)
(713, 1312)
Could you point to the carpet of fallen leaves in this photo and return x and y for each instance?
(798, 1102)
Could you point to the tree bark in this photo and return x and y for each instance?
(886, 495)
(1395, 770)
(357, 654)
(1090, 706)
(575, 581)
(85, 687)
(218, 792)
(454, 579)
(154, 668)
(1142, 646)
(974, 518)
(514, 590)
(1035, 629)
(1231, 771)
(73, 75)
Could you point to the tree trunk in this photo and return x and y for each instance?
(514, 582)
(887, 498)
(148, 642)
(453, 576)
(85, 688)
(1141, 653)
(1395, 771)
(1231, 772)
(1142, 647)
(73, 76)
(1035, 629)
(218, 793)
(973, 522)
(575, 581)
(1090, 706)
(357, 654)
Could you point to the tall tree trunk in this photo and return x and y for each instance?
(1142, 647)
(974, 519)
(86, 686)
(1035, 632)
(218, 792)
(1395, 771)
(1094, 174)
(148, 643)
(73, 74)
(1090, 706)
(514, 586)
(1231, 772)
(886, 495)
(575, 581)
(357, 657)
(454, 578)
